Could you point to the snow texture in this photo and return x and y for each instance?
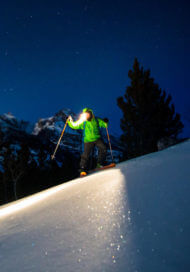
(134, 217)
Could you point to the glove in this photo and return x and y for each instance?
(106, 120)
(70, 118)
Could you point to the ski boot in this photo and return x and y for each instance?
(83, 174)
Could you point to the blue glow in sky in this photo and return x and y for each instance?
(77, 53)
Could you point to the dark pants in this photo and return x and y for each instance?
(88, 147)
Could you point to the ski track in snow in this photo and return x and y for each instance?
(134, 217)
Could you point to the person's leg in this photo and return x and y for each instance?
(101, 151)
(85, 155)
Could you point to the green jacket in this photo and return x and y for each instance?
(91, 128)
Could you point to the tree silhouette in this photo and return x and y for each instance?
(148, 114)
(15, 165)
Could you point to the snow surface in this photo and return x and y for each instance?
(134, 217)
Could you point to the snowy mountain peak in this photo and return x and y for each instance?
(65, 112)
(54, 123)
(8, 117)
(9, 121)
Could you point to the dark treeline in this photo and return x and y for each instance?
(24, 172)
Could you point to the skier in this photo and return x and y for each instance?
(92, 137)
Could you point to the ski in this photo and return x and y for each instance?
(111, 165)
(84, 174)
(103, 168)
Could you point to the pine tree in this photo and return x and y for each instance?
(148, 114)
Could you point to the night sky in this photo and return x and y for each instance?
(75, 54)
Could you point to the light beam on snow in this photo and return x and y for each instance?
(29, 201)
(107, 208)
(95, 213)
(34, 199)
(109, 214)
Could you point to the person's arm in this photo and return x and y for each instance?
(75, 125)
(102, 123)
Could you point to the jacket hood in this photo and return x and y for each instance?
(87, 109)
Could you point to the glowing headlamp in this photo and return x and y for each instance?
(83, 116)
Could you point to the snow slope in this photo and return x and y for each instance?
(134, 217)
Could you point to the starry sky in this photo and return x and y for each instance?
(77, 53)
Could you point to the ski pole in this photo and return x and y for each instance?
(110, 144)
(58, 143)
